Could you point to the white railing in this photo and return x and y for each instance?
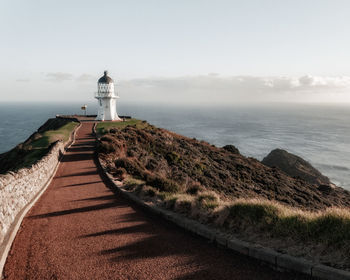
(105, 94)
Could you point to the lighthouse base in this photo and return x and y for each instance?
(107, 110)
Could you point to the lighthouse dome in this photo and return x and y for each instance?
(105, 79)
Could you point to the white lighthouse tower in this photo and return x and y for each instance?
(107, 99)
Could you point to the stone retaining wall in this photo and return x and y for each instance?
(17, 189)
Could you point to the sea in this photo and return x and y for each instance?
(319, 133)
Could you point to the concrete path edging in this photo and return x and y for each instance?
(276, 260)
(12, 232)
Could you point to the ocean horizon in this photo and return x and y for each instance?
(319, 133)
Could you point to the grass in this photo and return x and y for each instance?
(32, 151)
(105, 127)
(330, 227)
(32, 157)
(51, 136)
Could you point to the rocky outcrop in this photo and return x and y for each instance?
(295, 166)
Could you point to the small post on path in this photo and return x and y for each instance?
(84, 108)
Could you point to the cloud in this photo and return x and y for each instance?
(59, 76)
(243, 82)
(86, 78)
(23, 80)
(216, 88)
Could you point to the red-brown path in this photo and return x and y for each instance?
(79, 229)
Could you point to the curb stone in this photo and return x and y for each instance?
(290, 262)
(325, 272)
(278, 261)
(221, 239)
(205, 232)
(265, 254)
(238, 246)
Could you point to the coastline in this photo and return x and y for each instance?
(254, 129)
(251, 252)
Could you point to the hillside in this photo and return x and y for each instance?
(37, 145)
(171, 162)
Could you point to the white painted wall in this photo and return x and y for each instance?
(107, 103)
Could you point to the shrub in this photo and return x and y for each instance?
(133, 167)
(221, 215)
(208, 196)
(106, 148)
(263, 215)
(152, 164)
(183, 204)
(132, 184)
(161, 183)
(172, 158)
(207, 201)
(107, 138)
(170, 201)
(113, 130)
(164, 195)
(194, 187)
(120, 173)
(148, 191)
(231, 149)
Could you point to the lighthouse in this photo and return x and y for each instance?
(107, 99)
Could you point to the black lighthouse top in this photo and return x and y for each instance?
(105, 79)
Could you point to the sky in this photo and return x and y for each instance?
(180, 51)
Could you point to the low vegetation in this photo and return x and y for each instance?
(105, 127)
(37, 145)
(220, 187)
(330, 227)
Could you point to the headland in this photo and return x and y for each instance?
(289, 207)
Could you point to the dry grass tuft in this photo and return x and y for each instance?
(183, 203)
(330, 227)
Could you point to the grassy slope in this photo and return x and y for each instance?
(104, 127)
(29, 152)
(327, 230)
(51, 136)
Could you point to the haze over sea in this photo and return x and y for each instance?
(318, 133)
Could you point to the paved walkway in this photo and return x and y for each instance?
(79, 229)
